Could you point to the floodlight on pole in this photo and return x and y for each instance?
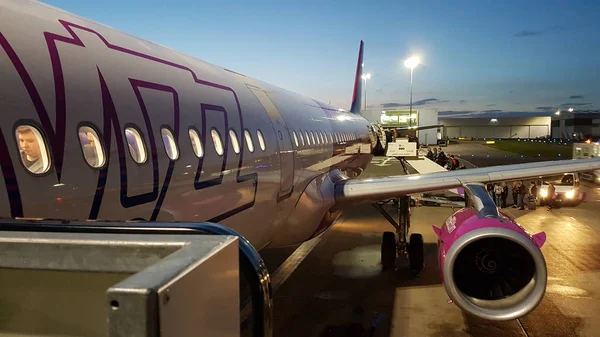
(557, 112)
(570, 109)
(365, 77)
(411, 62)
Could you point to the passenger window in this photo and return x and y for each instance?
(261, 140)
(234, 141)
(312, 134)
(217, 142)
(307, 137)
(137, 149)
(33, 149)
(323, 140)
(93, 153)
(249, 142)
(330, 137)
(169, 143)
(196, 143)
(295, 138)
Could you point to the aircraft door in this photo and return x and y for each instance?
(285, 149)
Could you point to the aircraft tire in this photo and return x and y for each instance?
(388, 250)
(416, 253)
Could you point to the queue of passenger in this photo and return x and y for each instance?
(447, 161)
(523, 196)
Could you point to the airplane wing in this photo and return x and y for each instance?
(356, 191)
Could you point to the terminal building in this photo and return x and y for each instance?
(462, 125)
(578, 125)
(390, 119)
(497, 125)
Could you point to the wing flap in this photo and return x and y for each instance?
(355, 191)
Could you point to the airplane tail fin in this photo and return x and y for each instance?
(357, 95)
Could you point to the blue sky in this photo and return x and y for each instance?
(525, 56)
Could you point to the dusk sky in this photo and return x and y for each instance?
(524, 56)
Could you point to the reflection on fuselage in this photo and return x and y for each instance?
(145, 134)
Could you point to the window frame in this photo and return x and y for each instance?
(177, 148)
(203, 146)
(237, 140)
(249, 143)
(295, 136)
(100, 139)
(223, 145)
(34, 124)
(260, 136)
(142, 137)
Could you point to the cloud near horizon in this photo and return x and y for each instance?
(525, 33)
(566, 105)
(417, 103)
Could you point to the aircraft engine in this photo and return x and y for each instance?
(490, 266)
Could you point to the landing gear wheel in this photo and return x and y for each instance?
(412, 202)
(416, 253)
(388, 250)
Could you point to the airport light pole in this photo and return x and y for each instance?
(365, 77)
(411, 62)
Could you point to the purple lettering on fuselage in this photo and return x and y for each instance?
(57, 134)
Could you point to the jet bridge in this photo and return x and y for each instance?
(128, 279)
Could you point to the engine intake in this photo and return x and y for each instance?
(495, 273)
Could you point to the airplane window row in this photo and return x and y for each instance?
(35, 154)
(320, 137)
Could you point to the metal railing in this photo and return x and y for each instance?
(251, 264)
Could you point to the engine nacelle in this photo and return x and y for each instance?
(490, 266)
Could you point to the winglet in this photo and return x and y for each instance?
(358, 84)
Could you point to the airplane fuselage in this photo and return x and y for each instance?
(178, 139)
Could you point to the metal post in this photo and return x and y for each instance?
(411, 85)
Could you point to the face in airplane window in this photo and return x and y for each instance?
(91, 139)
(33, 149)
(28, 143)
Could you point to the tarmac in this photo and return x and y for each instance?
(334, 286)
